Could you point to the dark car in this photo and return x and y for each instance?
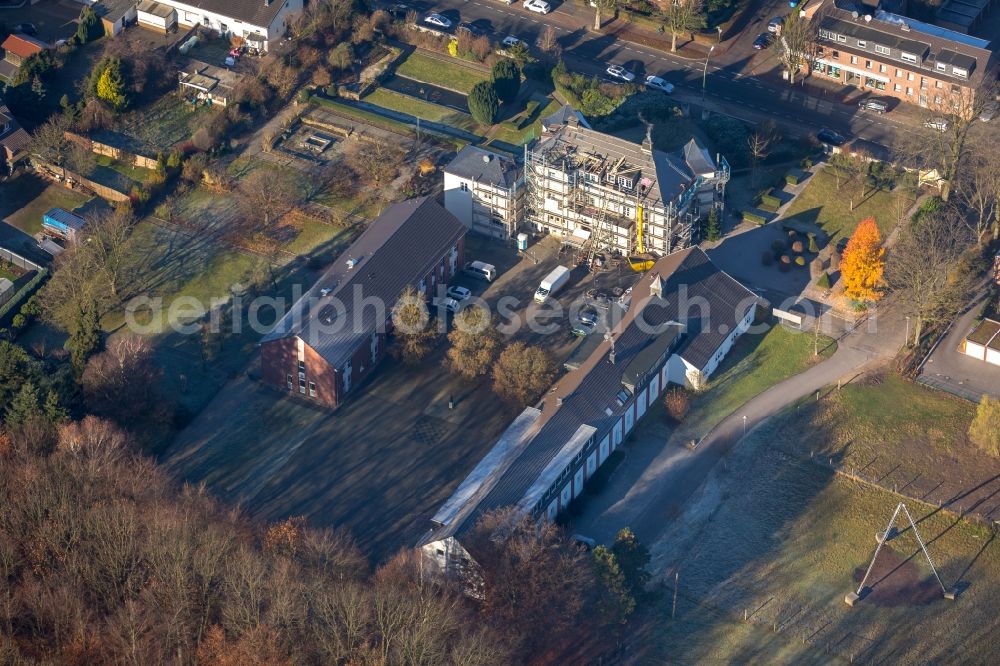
(398, 11)
(25, 29)
(874, 105)
(829, 137)
(471, 28)
(763, 40)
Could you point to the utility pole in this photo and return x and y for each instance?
(744, 427)
(677, 582)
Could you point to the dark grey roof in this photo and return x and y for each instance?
(697, 157)
(397, 249)
(254, 12)
(563, 116)
(583, 402)
(18, 242)
(113, 10)
(484, 166)
(666, 175)
(14, 139)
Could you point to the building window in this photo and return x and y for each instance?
(302, 386)
(312, 389)
(882, 68)
(884, 50)
(941, 67)
(834, 72)
(868, 64)
(909, 76)
(897, 88)
(923, 83)
(862, 44)
(909, 90)
(937, 99)
(288, 382)
(959, 72)
(955, 88)
(938, 84)
(842, 39)
(854, 60)
(625, 182)
(899, 74)
(302, 366)
(835, 55)
(907, 57)
(464, 187)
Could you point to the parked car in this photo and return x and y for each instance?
(659, 84)
(398, 11)
(438, 20)
(25, 29)
(619, 72)
(878, 106)
(989, 111)
(829, 137)
(470, 28)
(509, 41)
(776, 24)
(763, 40)
(449, 304)
(586, 322)
(481, 270)
(458, 293)
(537, 6)
(938, 124)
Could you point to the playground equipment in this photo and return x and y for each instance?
(888, 534)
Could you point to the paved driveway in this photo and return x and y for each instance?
(951, 370)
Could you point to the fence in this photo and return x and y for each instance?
(13, 304)
(115, 153)
(19, 261)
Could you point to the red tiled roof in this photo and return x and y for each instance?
(22, 45)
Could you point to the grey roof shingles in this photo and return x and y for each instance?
(485, 166)
(397, 249)
(589, 393)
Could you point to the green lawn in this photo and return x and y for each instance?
(756, 363)
(821, 202)
(449, 75)
(7, 272)
(784, 539)
(520, 130)
(361, 115)
(25, 198)
(313, 234)
(389, 99)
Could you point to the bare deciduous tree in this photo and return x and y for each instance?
(413, 338)
(475, 343)
(977, 187)
(602, 8)
(376, 160)
(266, 195)
(682, 17)
(522, 373)
(760, 144)
(121, 382)
(797, 44)
(921, 269)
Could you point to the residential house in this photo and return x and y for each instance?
(485, 191)
(683, 317)
(609, 194)
(334, 336)
(208, 83)
(895, 56)
(13, 140)
(16, 49)
(258, 22)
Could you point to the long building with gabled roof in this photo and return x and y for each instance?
(683, 317)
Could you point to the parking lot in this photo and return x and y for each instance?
(951, 370)
(382, 464)
(53, 19)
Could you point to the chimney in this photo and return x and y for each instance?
(267, 3)
(611, 354)
(647, 143)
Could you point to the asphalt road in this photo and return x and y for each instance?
(730, 87)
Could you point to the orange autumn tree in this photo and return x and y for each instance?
(862, 265)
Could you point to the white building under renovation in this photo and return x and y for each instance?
(484, 190)
(611, 195)
(683, 317)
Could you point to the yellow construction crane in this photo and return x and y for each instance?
(642, 262)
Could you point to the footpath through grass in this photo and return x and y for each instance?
(822, 203)
(442, 73)
(756, 363)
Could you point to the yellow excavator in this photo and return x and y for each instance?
(643, 261)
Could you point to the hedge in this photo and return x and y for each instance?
(22, 295)
(791, 179)
(756, 218)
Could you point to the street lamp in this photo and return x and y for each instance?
(744, 427)
(704, 72)
(907, 340)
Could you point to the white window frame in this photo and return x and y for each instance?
(862, 44)
(960, 72)
(884, 50)
(908, 57)
(842, 39)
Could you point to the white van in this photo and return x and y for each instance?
(552, 283)
(483, 271)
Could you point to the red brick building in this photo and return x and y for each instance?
(332, 337)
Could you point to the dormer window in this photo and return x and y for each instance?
(959, 72)
(862, 44)
(842, 38)
(941, 67)
(625, 183)
(908, 57)
(884, 50)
